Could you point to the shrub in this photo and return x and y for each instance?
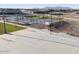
(59, 24)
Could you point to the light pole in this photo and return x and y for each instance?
(4, 24)
(50, 23)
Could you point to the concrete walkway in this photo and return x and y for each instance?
(33, 40)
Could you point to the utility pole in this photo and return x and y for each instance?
(4, 24)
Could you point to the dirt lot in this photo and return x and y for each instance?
(72, 28)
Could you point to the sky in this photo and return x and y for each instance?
(38, 5)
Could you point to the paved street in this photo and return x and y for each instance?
(33, 40)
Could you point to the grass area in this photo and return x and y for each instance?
(9, 28)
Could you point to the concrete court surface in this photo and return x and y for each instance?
(36, 41)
